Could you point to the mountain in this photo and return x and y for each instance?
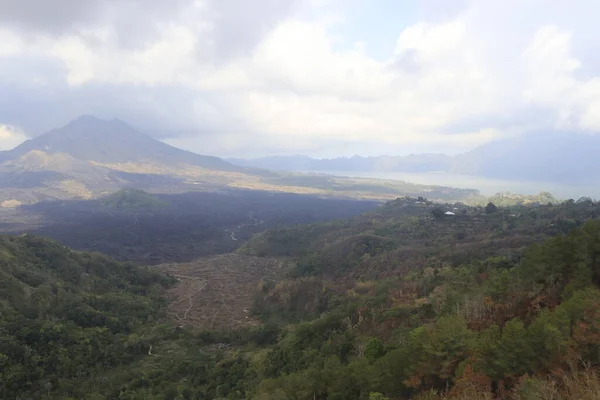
(91, 157)
(90, 139)
(541, 156)
(411, 163)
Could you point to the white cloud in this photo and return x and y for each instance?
(11, 43)
(10, 137)
(553, 83)
(480, 72)
(550, 67)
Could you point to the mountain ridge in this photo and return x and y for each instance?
(92, 139)
(385, 163)
(90, 157)
(555, 156)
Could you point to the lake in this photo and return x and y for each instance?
(486, 186)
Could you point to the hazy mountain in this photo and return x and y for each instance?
(91, 156)
(411, 163)
(91, 139)
(414, 163)
(548, 156)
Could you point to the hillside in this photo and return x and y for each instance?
(68, 315)
(132, 199)
(91, 139)
(82, 326)
(553, 156)
(409, 229)
(90, 157)
(542, 156)
(402, 302)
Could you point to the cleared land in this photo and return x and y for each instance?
(216, 293)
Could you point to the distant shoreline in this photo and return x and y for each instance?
(486, 186)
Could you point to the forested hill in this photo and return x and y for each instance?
(410, 233)
(406, 302)
(76, 325)
(67, 316)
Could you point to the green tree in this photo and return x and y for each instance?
(438, 351)
(491, 208)
(377, 396)
(438, 213)
(512, 354)
(374, 349)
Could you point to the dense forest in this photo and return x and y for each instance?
(68, 316)
(514, 326)
(411, 300)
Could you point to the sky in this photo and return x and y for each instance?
(325, 78)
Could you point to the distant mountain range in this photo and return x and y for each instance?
(91, 157)
(411, 163)
(548, 157)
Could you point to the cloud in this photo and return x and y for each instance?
(52, 17)
(268, 76)
(10, 137)
(230, 27)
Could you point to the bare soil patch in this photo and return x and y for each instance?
(216, 293)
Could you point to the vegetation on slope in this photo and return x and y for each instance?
(67, 315)
(499, 318)
(411, 233)
(81, 326)
(488, 327)
(401, 302)
(133, 199)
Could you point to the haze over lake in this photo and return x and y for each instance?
(486, 186)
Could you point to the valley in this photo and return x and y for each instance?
(153, 229)
(161, 274)
(307, 293)
(299, 200)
